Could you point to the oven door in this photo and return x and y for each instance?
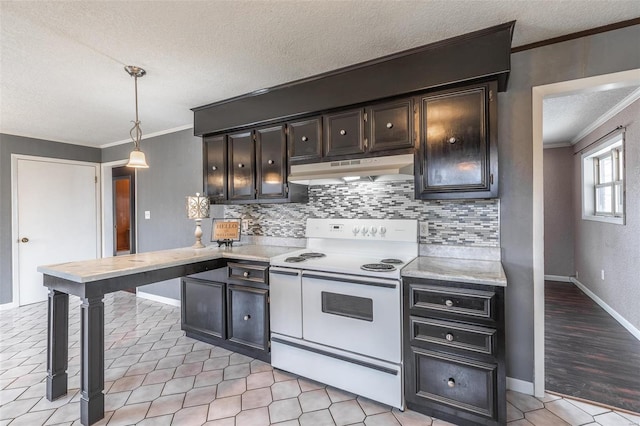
(353, 313)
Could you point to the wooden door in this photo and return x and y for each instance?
(55, 221)
(241, 166)
(344, 133)
(305, 140)
(271, 162)
(390, 126)
(215, 168)
(123, 179)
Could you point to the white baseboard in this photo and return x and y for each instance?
(559, 278)
(519, 386)
(623, 322)
(156, 298)
(9, 305)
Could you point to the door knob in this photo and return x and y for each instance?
(25, 240)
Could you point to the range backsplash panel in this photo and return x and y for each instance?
(451, 222)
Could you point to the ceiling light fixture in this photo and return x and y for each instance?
(136, 158)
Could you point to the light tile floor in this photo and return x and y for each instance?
(155, 375)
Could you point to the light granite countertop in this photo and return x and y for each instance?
(488, 272)
(110, 267)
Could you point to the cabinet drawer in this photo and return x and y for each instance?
(248, 273)
(456, 301)
(248, 316)
(449, 334)
(458, 382)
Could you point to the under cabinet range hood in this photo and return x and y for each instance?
(394, 167)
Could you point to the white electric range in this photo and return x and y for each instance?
(336, 306)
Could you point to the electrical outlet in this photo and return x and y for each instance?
(424, 229)
(147, 214)
(577, 276)
(602, 274)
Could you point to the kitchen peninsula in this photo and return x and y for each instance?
(91, 280)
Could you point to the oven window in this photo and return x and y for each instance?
(347, 306)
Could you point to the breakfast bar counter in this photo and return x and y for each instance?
(91, 280)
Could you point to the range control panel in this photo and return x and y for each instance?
(351, 229)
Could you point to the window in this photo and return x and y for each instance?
(603, 181)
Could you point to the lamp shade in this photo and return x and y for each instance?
(137, 160)
(197, 207)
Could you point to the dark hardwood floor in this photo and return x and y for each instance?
(588, 354)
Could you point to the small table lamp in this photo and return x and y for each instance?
(198, 209)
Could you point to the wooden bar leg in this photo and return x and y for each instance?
(57, 344)
(92, 360)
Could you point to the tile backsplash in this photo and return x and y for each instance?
(451, 222)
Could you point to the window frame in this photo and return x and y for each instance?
(590, 162)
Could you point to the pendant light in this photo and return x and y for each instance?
(136, 158)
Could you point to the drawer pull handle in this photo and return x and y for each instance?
(247, 317)
(304, 139)
(449, 337)
(389, 125)
(448, 302)
(246, 274)
(270, 162)
(343, 132)
(241, 165)
(451, 383)
(214, 168)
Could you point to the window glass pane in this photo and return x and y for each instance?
(620, 165)
(619, 200)
(603, 199)
(606, 169)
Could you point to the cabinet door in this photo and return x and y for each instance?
(305, 140)
(215, 170)
(390, 126)
(203, 307)
(271, 146)
(344, 133)
(241, 166)
(248, 316)
(458, 154)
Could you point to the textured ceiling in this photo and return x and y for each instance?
(62, 74)
(566, 117)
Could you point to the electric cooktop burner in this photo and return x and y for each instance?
(393, 261)
(310, 255)
(378, 267)
(295, 259)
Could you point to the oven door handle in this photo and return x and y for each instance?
(373, 282)
(283, 272)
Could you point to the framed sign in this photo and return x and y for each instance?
(225, 230)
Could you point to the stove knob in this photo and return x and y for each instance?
(365, 230)
(374, 230)
(383, 230)
(356, 229)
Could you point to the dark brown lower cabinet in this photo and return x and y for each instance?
(228, 311)
(454, 351)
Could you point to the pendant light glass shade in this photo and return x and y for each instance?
(137, 160)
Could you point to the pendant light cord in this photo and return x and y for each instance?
(136, 124)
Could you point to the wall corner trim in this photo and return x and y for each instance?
(156, 298)
(558, 278)
(521, 386)
(623, 322)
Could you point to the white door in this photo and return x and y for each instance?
(56, 204)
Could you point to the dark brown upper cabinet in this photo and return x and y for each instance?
(215, 167)
(241, 166)
(458, 155)
(390, 126)
(344, 133)
(305, 139)
(271, 161)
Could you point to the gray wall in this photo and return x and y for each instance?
(614, 248)
(584, 57)
(175, 171)
(10, 144)
(558, 211)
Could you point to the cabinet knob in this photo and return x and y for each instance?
(451, 383)
(449, 337)
(452, 140)
(389, 125)
(214, 168)
(448, 302)
(270, 161)
(246, 274)
(304, 139)
(241, 165)
(248, 317)
(343, 132)
(25, 240)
